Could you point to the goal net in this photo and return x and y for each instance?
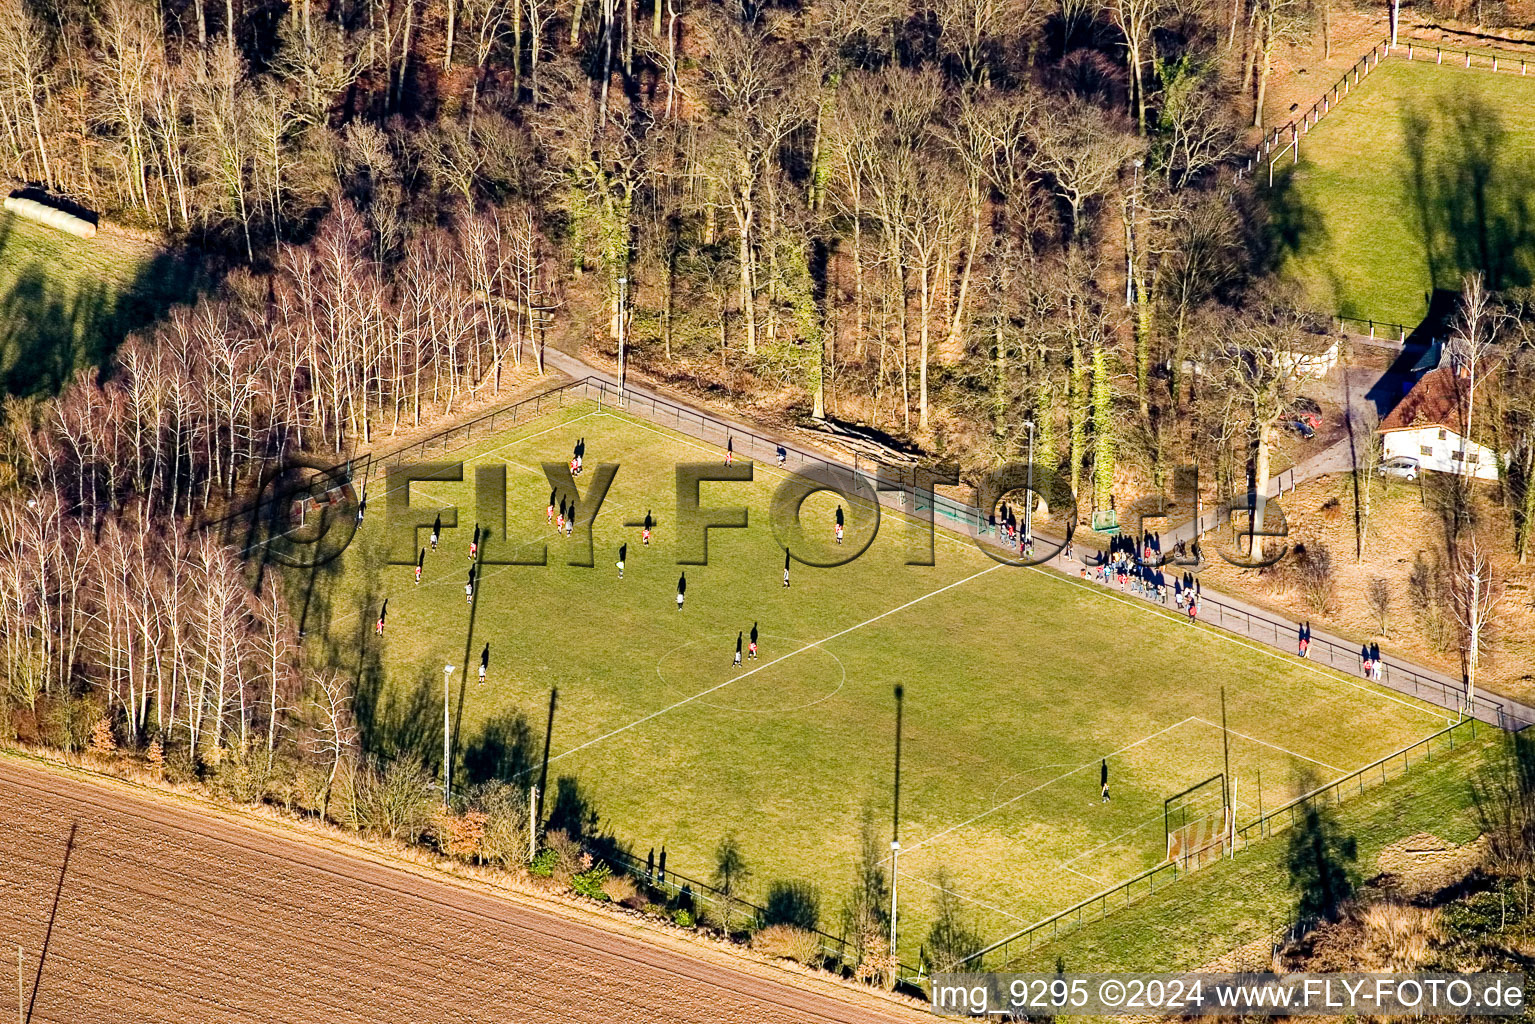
(1197, 822)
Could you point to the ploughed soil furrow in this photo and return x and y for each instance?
(168, 914)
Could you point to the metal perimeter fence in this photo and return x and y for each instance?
(682, 890)
(1287, 137)
(901, 489)
(1099, 905)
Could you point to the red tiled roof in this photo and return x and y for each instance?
(1437, 400)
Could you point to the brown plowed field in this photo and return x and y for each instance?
(169, 914)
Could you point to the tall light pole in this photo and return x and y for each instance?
(623, 328)
(895, 830)
(447, 740)
(1028, 499)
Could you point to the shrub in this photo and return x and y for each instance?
(684, 917)
(621, 889)
(103, 743)
(1398, 937)
(543, 864)
(589, 883)
(459, 836)
(1314, 573)
(395, 801)
(156, 756)
(788, 942)
(506, 823)
(951, 938)
(569, 858)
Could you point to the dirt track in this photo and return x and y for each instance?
(169, 914)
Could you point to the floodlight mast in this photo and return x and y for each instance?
(895, 830)
(1028, 499)
(447, 740)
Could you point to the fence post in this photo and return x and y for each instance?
(1438, 55)
(1468, 58)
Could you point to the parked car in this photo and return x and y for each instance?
(1400, 466)
(1302, 428)
(1308, 412)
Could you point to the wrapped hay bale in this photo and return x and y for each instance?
(51, 216)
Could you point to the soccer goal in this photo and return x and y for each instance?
(1197, 823)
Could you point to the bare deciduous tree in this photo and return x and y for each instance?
(1475, 591)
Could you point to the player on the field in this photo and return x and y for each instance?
(751, 650)
(484, 663)
(786, 567)
(419, 560)
(1103, 779)
(570, 521)
(362, 507)
(730, 450)
(436, 531)
(474, 543)
(645, 530)
(839, 524)
(623, 549)
(549, 516)
(737, 663)
(469, 588)
(783, 456)
(378, 627)
(682, 588)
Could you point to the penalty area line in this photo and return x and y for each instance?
(1275, 746)
(1048, 782)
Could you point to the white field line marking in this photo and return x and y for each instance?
(1027, 771)
(1115, 839)
(782, 657)
(1083, 874)
(968, 899)
(1042, 785)
(1332, 674)
(1275, 746)
(1063, 576)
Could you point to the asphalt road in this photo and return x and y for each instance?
(163, 912)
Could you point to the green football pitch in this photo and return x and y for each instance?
(1017, 684)
(1420, 175)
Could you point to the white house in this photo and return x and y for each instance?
(1425, 426)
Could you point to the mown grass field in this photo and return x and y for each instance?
(1189, 925)
(1017, 683)
(66, 302)
(1421, 174)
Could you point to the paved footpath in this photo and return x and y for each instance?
(1216, 610)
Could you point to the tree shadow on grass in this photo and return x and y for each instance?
(402, 719)
(1296, 229)
(1473, 194)
(506, 749)
(49, 330)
